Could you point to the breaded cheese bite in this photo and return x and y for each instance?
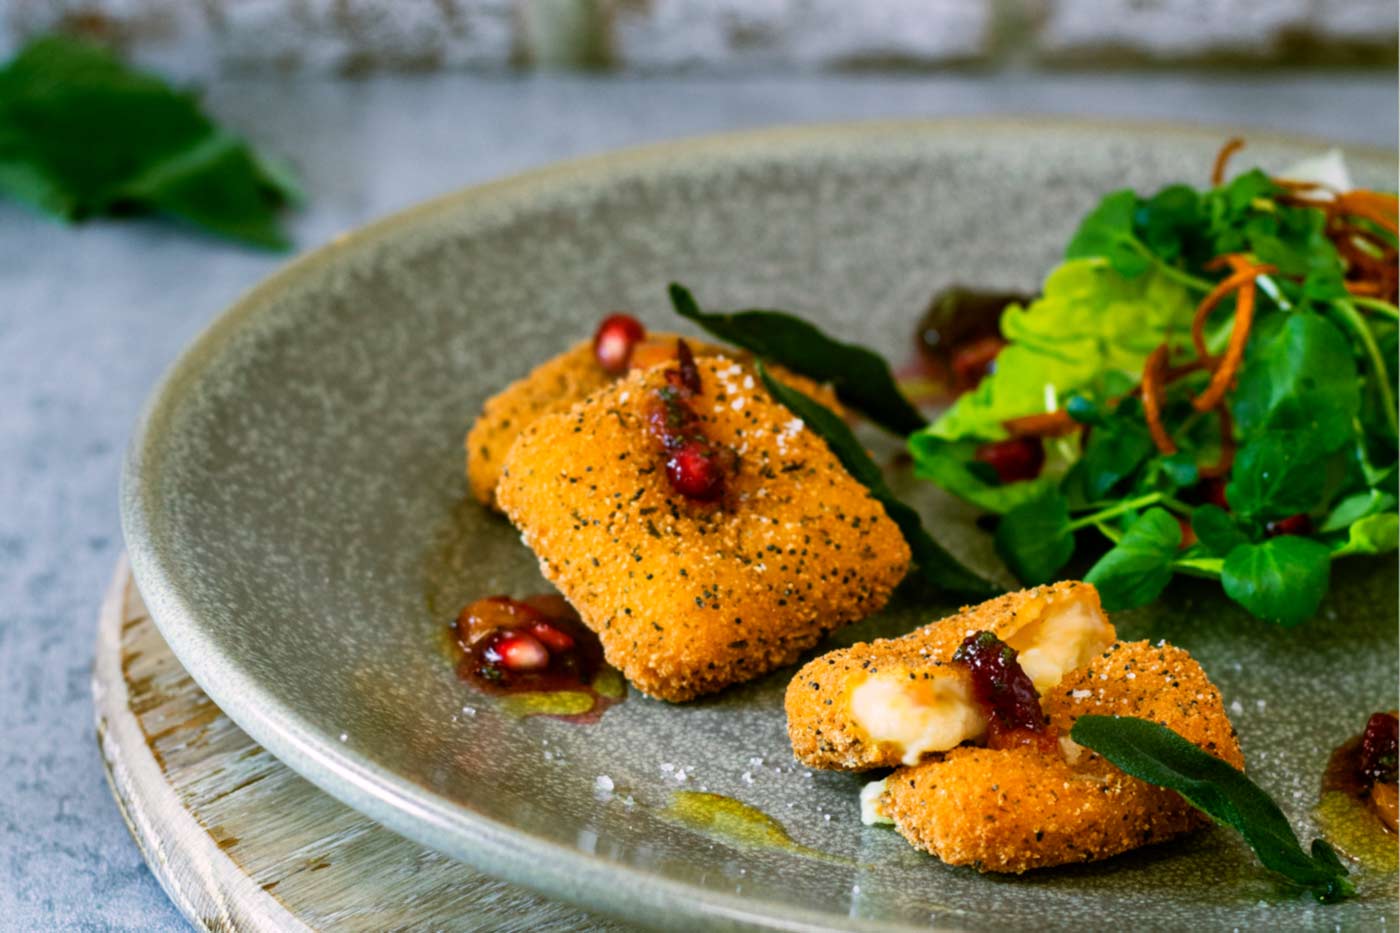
(895, 700)
(1016, 809)
(560, 382)
(688, 597)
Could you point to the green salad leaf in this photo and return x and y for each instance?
(934, 563)
(1281, 580)
(1035, 539)
(1217, 531)
(953, 465)
(82, 135)
(861, 378)
(1300, 376)
(1155, 754)
(1088, 334)
(1139, 566)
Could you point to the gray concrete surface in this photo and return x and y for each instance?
(90, 317)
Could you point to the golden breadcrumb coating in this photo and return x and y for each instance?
(560, 382)
(1022, 808)
(824, 732)
(689, 597)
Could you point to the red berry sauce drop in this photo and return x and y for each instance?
(695, 465)
(1007, 696)
(614, 341)
(536, 644)
(1379, 748)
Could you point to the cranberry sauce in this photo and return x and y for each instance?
(535, 645)
(1379, 748)
(1005, 692)
(695, 465)
(614, 341)
(959, 336)
(1364, 768)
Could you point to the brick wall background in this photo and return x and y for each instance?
(204, 37)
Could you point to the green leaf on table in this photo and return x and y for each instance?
(1374, 534)
(1216, 530)
(861, 377)
(1035, 539)
(950, 464)
(1155, 754)
(1300, 375)
(1139, 566)
(82, 135)
(1089, 334)
(1280, 580)
(935, 564)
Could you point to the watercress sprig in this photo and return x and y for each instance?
(1157, 755)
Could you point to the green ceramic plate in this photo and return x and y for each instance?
(294, 505)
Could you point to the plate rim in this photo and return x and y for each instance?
(490, 845)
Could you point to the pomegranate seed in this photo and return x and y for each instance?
(1019, 458)
(555, 640)
(614, 340)
(517, 651)
(1298, 524)
(694, 472)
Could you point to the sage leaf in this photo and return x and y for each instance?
(861, 377)
(1155, 754)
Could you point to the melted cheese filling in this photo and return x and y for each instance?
(917, 716)
(937, 713)
(1069, 634)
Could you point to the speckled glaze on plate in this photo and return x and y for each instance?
(296, 514)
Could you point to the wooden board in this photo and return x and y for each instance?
(239, 841)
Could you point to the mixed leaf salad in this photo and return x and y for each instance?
(1206, 386)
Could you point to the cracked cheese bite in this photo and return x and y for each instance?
(1035, 806)
(894, 701)
(560, 382)
(697, 526)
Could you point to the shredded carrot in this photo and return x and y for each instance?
(1379, 209)
(1293, 184)
(1367, 289)
(1227, 446)
(1243, 274)
(1222, 158)
(1224, 374)
(1046, 424)
(1152, 399)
